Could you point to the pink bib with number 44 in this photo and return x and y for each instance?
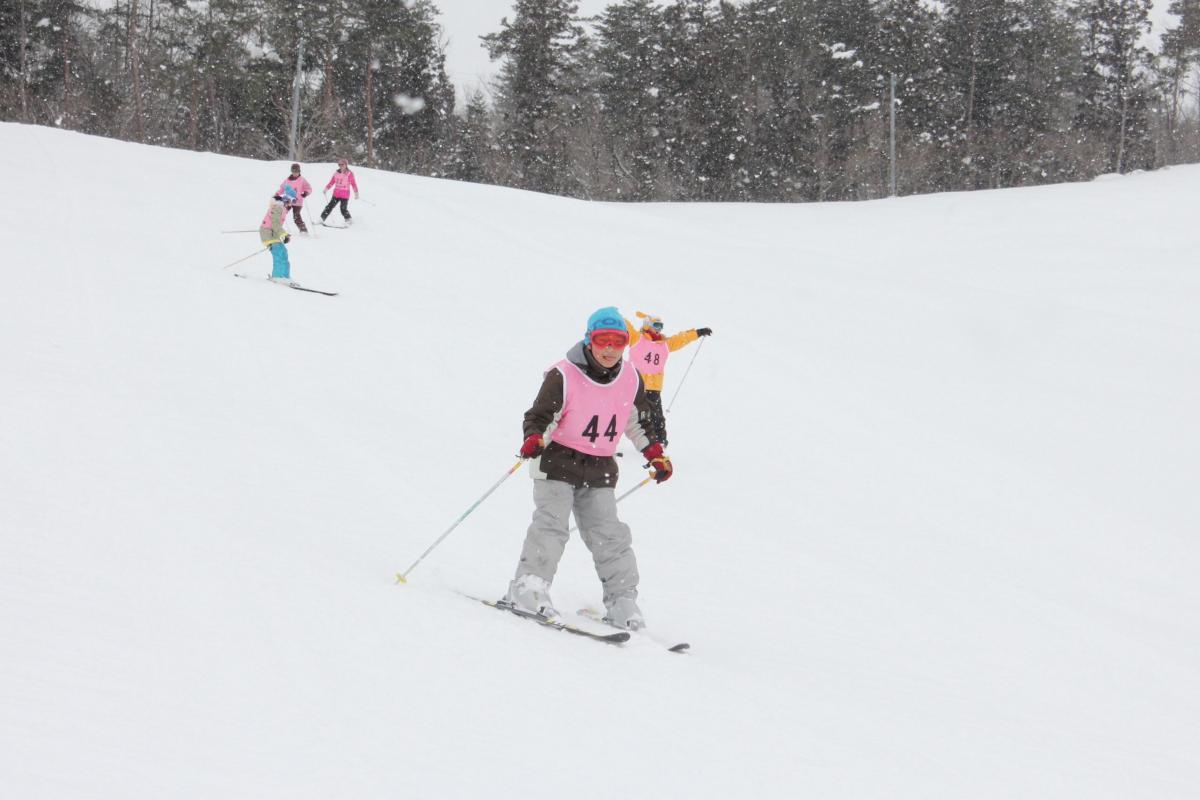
(594, 415)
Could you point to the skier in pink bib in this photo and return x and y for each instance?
(586, 402)
(302, 188)
(342, 182)
(649, 349)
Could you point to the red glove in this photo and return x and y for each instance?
(659, 461)
(533, 446)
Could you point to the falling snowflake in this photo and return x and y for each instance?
(409, 105)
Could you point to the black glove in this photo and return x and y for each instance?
(304, 194)
(286, 238)
(704, 331)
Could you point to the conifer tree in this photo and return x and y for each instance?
(223, 112)
(391, 82)
(539, 48)
(979, 57)
(701, 99)
(1180, 53)
(629, 77)
(43, 61)
(1116, 95)
(474, 144)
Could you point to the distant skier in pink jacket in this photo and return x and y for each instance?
(302, 188)
(342, 182)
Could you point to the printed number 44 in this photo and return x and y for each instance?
(592, 431)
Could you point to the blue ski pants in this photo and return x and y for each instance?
(280, 267)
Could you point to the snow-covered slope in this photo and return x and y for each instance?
(932, 532)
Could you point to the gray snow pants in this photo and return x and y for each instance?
(607, 538)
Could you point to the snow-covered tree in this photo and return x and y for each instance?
(539, 48)
(1116, 95)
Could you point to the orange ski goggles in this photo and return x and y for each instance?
(602, 339)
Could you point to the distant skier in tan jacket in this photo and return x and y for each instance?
(274, 237)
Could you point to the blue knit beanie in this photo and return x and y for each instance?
(604, 319)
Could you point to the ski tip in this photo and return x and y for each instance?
(682, 647)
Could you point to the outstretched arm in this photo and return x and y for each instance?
(634, 333)
(681, 340)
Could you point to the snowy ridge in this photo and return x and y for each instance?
(932, 531)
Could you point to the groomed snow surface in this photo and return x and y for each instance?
(932, 534)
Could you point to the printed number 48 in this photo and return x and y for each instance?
(592, 430)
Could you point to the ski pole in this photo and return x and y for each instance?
(684, 378)
(645, 480)
(310, 222)
(402, 577)
(363, 200)
(252, 255)
(247, 230)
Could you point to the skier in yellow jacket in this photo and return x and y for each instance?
(648, 352)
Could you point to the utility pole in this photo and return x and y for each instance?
(135, 73)
(24, 69)
(892, 141)
(295, 132)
